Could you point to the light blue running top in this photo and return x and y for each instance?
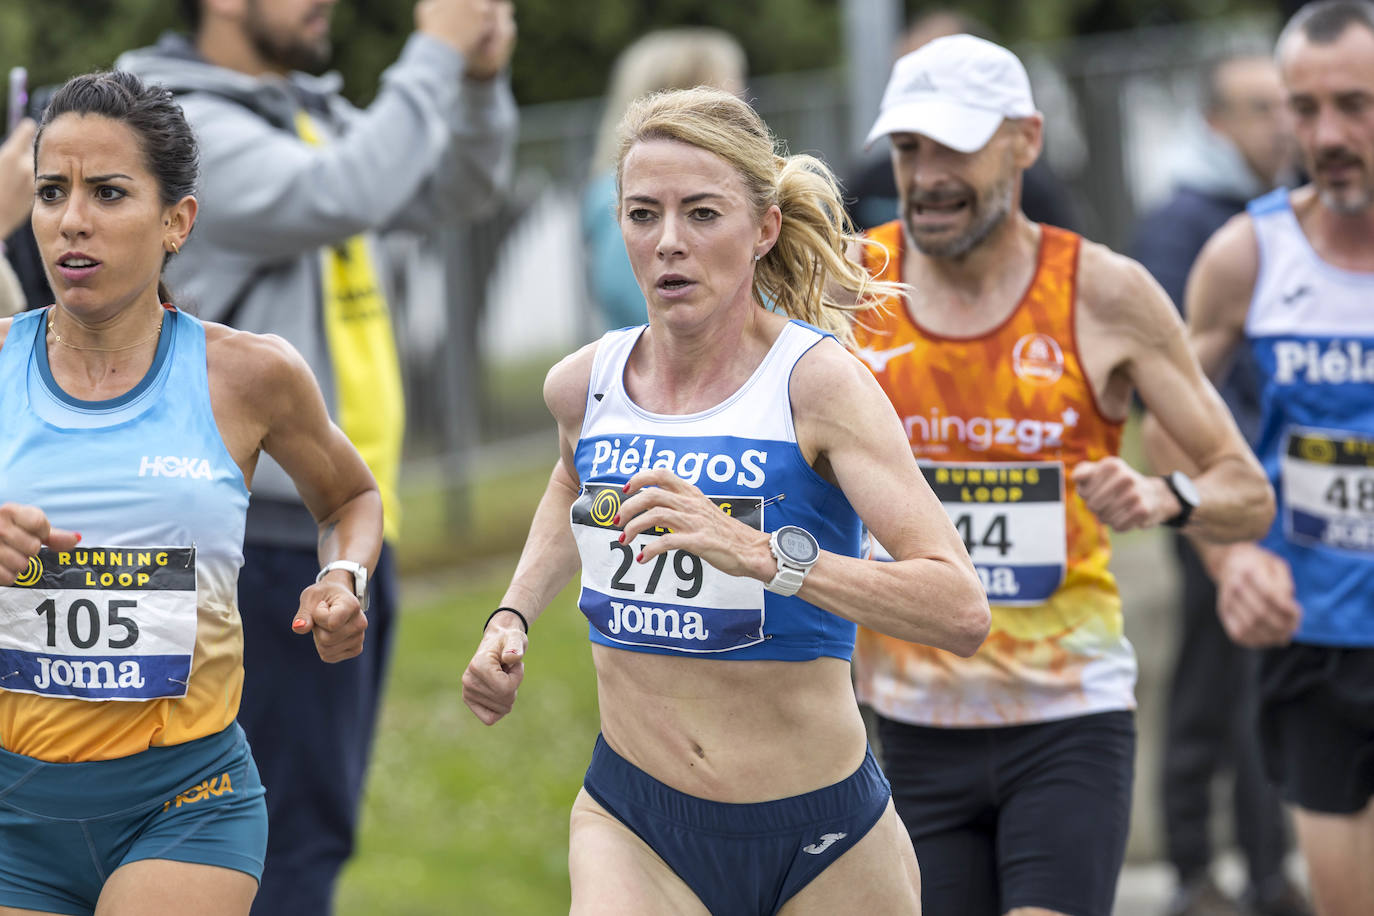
(1311, 328)
(743, 454)
(159, 502)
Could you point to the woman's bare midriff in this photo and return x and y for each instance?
(731, 731)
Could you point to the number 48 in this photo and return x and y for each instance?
(1338, 494)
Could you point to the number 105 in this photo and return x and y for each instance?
(83, 622)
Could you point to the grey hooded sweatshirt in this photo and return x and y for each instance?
(431, 147)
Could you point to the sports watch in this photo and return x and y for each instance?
(359, 572)
(796, 551)
(1185, 491)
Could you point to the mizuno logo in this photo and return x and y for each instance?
(878, 359)
(1291, 297)
(827, 840)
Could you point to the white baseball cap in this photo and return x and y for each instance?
(955, 90)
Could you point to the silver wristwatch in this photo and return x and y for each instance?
(796, 551)
(359, 572)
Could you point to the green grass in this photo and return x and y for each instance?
(461, 818)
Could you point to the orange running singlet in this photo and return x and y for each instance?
(997, 423)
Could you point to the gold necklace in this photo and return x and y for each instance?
(68, 344)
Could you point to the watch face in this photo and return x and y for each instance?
(797, 545)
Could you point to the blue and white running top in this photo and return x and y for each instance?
(1311, 328)
(743, 454)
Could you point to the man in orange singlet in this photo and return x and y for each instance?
(1011, 364)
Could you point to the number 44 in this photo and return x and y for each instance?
(994, 536)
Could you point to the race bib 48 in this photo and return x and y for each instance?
(1328, 489)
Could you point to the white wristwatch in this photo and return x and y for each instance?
(359, 572)
(796, 552)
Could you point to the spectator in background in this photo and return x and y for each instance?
(666, 59)
(297, 184)
(1241, 150)
(16, 200)
(1044, 199)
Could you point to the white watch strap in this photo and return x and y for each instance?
(359, 572)
(787, 582)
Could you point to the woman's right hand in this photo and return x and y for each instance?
(496, 669)
(23, 530)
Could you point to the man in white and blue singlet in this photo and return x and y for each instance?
(1293, 280)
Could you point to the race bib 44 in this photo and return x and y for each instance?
(1011, 518)
(101, 623)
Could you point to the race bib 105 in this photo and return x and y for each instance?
(101, 623)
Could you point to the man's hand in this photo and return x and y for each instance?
(493, 52)
(1121, 496)
(16, 177)
(460, 24)
(332, 614)
(496, 669)
(23, 530)
(1256, 600)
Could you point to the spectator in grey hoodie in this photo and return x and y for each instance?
(297, 186)
(1241, 149)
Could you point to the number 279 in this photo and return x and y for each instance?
(686, 565)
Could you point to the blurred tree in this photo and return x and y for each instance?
(1047, 19)
(566, 48)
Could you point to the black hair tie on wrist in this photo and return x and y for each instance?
(523, 622)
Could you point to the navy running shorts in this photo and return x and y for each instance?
(740, 859)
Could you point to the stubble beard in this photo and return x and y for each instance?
(1347, 201)
(996, 208)
(1351, 200)
(285, 51)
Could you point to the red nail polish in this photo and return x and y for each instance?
(622, 537)
(640, 558)
(616, 520)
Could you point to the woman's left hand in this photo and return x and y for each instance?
(333, 615)
(691, 522)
